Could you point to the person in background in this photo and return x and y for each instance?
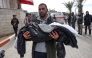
(87, 22)
(79, 22)
(33, 16)
(73, 20)
(14, 23)
(28, 19)
(69, 19)
(66, 19)
(54, 18)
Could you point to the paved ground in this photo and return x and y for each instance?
(84, 50)
(4, 37)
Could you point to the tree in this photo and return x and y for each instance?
(69, 5)
(80, 5)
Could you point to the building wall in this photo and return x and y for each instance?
(5, 4)
(5, 20)
(14, 4)
(9, 4)
(0, 3)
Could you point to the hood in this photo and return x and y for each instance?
(38, 18)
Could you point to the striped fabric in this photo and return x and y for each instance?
(29, 2)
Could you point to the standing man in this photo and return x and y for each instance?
(87, 22)
(69, 19)
(54, 18)
(73, 20)
(43, 49)
(66, 19)
(33, 16)
(79, 22)
(14, 23)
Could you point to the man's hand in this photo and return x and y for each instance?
(27, 35)
(54, 35)
(14, 23)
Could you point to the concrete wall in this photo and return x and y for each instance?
(13, 4)
(5, 20)
(1, 4)
(9, 4)
(6, 4)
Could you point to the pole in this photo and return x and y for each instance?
(19, 4)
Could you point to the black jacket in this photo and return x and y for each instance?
(66, 37)
(87, 19)
(15, 22)
(73, 19)
(80, 19)
(69, 19)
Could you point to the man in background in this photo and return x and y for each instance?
(87, 22)
(14, 23)
(73, 20)
(28, 19)
(79, 22)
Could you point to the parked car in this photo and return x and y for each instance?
(59, 17)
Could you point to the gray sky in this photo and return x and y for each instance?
(57, 5)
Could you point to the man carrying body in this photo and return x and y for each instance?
(43, 49)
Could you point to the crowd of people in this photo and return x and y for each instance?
(81, 21)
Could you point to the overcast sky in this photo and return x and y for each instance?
(57, 5)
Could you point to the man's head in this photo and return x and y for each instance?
(54, 15)
(72, 13)
(79, 13)
(43, 10)
(87, 13)
(29, 14)
(14, 16)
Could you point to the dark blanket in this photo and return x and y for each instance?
(66, 37)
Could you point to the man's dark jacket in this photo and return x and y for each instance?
(66, 37)
(14, 22)
(80, 19)
(87, 19)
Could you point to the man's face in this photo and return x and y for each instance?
(29, 15)
(42, 10)
(14, 17)
(87, 13)
(79, 13)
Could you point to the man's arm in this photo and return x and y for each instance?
(17, 21)
(84, 19)
(11, 22)
(75, 18)
(91, 18)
